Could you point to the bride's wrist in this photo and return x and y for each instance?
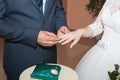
(84, 32)
(88, 32)
(81, 31)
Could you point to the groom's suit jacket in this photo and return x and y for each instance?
(20, 23)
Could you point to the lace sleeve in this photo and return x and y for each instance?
(97, 25)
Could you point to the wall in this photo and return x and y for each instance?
(77, 17)
(2, 76)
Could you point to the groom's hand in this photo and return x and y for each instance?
(63, 30)
(46, 38)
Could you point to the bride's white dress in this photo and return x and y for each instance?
(101, 58)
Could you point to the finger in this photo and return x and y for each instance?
(63, 38)
(67, 41)
(51, 38)
(52, 34)
(73, 43)
(49, 43)
(62, 31)
(67, 30)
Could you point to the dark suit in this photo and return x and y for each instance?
(20, 23)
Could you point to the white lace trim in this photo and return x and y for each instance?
(114, 6)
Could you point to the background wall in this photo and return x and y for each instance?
(2, 76)
(77, 17)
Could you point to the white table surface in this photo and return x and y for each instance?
(66, 73)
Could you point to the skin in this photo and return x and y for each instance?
(46, 38)
(74, 36)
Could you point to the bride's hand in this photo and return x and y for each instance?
(72, 37)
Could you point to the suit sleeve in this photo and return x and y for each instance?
(14, 32)
(60, 15)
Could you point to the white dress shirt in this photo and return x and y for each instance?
(44, 2)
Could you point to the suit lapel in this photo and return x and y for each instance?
(47, 6)
(35, 4)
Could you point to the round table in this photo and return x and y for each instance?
(66, 73)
